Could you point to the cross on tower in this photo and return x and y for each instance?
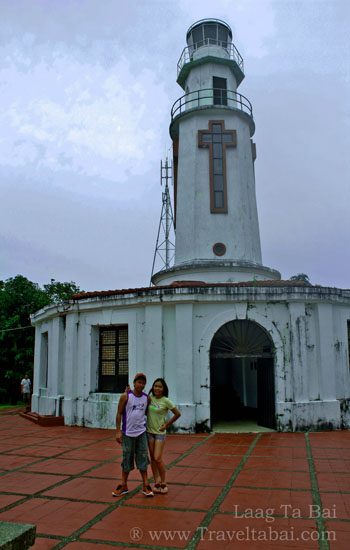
(217, 139)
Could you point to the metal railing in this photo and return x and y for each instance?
(209, 97)
(229, 47)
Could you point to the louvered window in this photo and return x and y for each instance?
(114, 361)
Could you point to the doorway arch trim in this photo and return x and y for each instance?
(238, 312)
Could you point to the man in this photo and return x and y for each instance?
(26, 387)
(133, 409)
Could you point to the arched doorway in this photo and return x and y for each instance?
(242, 375)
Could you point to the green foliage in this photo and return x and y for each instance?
(8, 406)
(19, 298)
(60, 292)
(301, 277)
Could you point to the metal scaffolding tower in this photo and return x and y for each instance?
(165, 247)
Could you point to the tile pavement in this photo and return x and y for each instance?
(241, 491)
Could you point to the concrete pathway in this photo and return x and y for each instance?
(240, 491)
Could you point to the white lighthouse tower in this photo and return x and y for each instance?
(217, 229)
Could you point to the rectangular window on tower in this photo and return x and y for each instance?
(220, 90)
(114, 359)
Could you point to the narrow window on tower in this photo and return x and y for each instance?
(113, 363)
(216, 139)
(218, 168)
(220, 90)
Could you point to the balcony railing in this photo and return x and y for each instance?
(230, 50)
(209, 97)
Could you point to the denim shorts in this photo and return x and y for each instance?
(134, 448)
(161, 437)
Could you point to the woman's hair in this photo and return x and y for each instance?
(164, 384)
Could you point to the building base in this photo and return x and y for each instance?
(214, 271)
(313, 416)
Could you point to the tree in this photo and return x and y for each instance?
(60, 292)
(19, 298)
(301, 277)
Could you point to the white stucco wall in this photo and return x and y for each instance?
(201, 76)
(197, 228)
(170, 333)
(215, 271)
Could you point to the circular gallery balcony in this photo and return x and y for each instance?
(210, 98)
(224, 52)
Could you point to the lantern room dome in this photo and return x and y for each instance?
(209, 40)
(208, 31)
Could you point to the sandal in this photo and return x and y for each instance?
(157, 488)
(163, 488)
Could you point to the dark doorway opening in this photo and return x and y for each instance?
(242, 374)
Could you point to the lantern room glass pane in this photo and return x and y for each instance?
(197, 35)
(210, 33)
(223, 36)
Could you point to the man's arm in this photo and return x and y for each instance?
(121, 406)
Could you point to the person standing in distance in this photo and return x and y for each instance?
(132, 408)
(26, 390)
(156, 430)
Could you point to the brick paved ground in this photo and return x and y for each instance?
(241, 491)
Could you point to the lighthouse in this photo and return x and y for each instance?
(234, 342)
(212, 126)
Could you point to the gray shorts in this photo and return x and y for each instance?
(135, 448)
(161, 437)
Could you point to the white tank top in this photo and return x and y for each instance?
(134, 414)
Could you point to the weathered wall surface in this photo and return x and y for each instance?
(170, 333)
(197, 229)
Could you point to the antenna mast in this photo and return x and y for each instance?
(165, 248)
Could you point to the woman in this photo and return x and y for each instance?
(158, 408)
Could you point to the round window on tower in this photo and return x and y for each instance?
(219, 249)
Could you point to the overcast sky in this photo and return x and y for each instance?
(86, 92)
